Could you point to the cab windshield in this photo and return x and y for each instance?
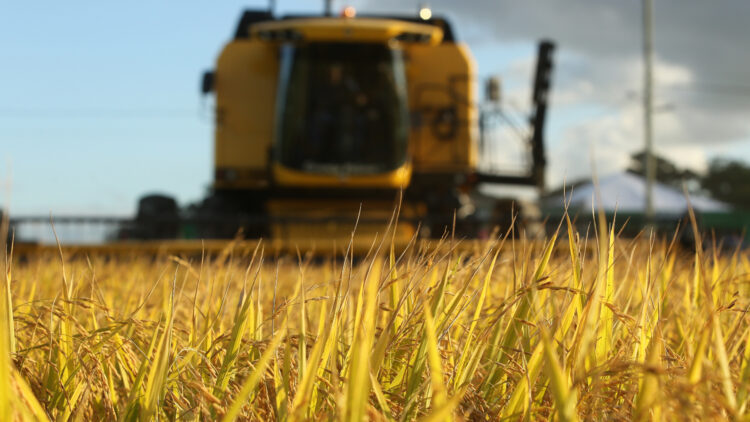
(341, 108)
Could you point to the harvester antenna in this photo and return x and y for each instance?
(328, 8)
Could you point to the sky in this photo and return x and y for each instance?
(100, 101)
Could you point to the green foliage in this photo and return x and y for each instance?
(727, 180)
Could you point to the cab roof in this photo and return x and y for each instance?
(368, 25)
(346, 30)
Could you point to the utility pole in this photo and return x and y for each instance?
(648, 53)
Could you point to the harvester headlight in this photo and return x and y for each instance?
(425, 13)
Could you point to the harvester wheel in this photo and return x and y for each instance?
(226, 215)
(158, 218)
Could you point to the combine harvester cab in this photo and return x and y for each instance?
(322, 122)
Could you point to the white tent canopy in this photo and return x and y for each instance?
(626, 192)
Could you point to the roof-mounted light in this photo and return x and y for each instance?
(349, 12)
(425, 13)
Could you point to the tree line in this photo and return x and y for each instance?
(726, 179)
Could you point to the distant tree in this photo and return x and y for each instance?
(666, 171)
(729, 181)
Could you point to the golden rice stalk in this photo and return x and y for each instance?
(358, 385)
(499, 353)
(647, 405)
(606, 316)
(445, 411)
(744, 380)
(282, 379)
(725, 373)
(17, 401)
(133, 406)
(380, 397)
(310, 373)
(6, 394)
(461, 367)
(241, 320)
(251, 383)
(518, 402)
(157, 376)
(696, 366)
(25, 401)
(436, 365)
(7, 304)
(564, 395)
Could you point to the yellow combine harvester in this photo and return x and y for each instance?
(317, 117)
(322, 121)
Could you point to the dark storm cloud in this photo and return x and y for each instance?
(709, 38)
(702, 68)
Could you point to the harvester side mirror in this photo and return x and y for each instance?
(207, 83)
(493, 89)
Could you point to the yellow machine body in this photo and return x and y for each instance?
(451, 67)
(323, 120)
(246, 87)
(246, 81)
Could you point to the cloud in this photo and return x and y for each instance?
(701, 77)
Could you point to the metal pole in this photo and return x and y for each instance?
(648, 52)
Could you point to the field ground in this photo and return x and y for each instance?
(567, 329)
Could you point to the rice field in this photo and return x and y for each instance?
(571, 328)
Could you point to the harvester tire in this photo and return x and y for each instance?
(157, 218)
